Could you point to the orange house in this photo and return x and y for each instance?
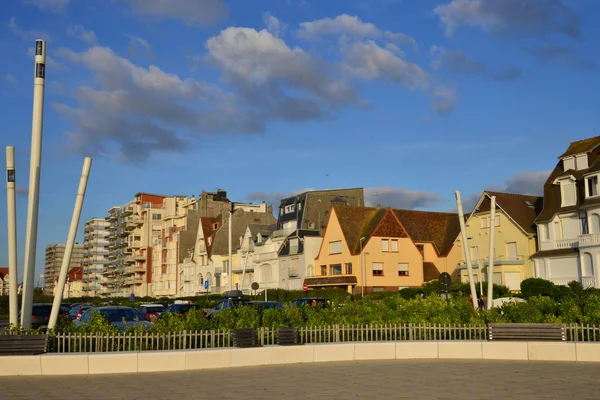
(376, 249)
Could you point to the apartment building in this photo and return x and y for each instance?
(568, 227)
(4, 282)
(54, 258)
(515, 239)
(95, 255)
(133, 229)
(375, 249)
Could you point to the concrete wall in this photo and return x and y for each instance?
(154, 361)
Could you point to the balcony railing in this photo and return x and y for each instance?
(592, 239)
(566, 243)
(586, 281)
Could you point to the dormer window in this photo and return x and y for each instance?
(581, 161)
(568, 192)
(568, 163)
(591, 186)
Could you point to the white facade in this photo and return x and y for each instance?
(95, 256)
(299, 266)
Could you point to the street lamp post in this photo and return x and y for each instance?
(362, 276)
(365, 267)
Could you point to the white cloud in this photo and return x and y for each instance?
(192, 12)
(49, 5)
(31, 35)
(444, 99)
(10, 78)
(138, 46)
(510, 17)
(79, 32)
(352, 27)
(274, 25)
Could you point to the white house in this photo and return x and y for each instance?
(569, 224)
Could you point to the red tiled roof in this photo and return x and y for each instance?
(76, 274)
(3, 272)
(438, 228)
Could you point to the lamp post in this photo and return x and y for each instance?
(362, 276)
(365, 268)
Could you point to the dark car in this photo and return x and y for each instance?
(181, 309)
(77, 310)
(265, 305)
(40, 314)
(232, 298)
(319, 302)
(119, 316)
(151, 311)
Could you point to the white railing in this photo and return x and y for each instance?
(592, 239)
(566, 243)
(586, 281)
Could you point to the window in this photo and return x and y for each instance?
(335, 247)
(336, 269)
(568, 194)
(293, 269)
(226, 266)
(484, 222)
(421, 248)
(216, 226)
(348, 268)
(324, 270)
(294, 246)
(402, 269)
(511, 251)
(156, 217)
(583, 220)
(497, 220)
(385, 245)
(557, 230)
(568, 163)
(310, 270)
(394, 246)
(591, 184)
(377, 269)
(474, 253)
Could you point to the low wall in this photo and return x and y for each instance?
(183, 360)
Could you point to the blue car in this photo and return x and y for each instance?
(118, 316)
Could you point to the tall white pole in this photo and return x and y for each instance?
(463, 233)
(34, 182)
(66, 261)
(490, 293)
(230, 269)
(11, 208)
(362, 272)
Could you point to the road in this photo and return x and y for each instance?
(433, 379)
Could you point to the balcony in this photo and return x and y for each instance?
(139, 257)
(592, 239)
(586, 281)
(566, 243)
(137, 244)
(263, 257)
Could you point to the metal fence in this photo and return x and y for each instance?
(186, 340)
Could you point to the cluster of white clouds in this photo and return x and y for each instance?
(137, 110)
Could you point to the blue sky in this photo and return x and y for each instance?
(409, 99)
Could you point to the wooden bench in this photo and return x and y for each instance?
(288, 337)
(245, 338)
(532, 332)
(21, 345)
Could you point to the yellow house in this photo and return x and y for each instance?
(515, 238)
(375, 249)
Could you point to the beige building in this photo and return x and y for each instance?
(74, 286)
(134, 229)
(53, 262)
(515, 239)
(4, 282)
(375, 249)
(95, 255)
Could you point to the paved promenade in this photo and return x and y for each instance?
(343, 380)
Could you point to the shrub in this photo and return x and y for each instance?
(532, 287)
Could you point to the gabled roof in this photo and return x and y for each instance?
(76, 274)
(240, 221)
(430, 272)
(208, 230)
(522, 209)
(438, 228)
(3, 272)
(265, 230)
(581, 146)
(441, 229)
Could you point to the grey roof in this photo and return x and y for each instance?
(240, 221)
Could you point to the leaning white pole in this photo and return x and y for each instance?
(230, 269)
(463, 233)
(66, 261)
(34, 182)
(11, 209)
(490, 293)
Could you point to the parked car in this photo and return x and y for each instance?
(232, 298)
(40, 315)
(180, 309)
(77, 310)
(119, 316)
(151, 311)
(265, 305)
(319, 302)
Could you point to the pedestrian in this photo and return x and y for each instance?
(481, 303)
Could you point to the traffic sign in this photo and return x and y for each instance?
(305, 287)
(255, 286)
(206, 284)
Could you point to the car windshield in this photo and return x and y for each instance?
(117, 315)
(41, 310)
(156, 309)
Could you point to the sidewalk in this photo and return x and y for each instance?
(347, 380)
